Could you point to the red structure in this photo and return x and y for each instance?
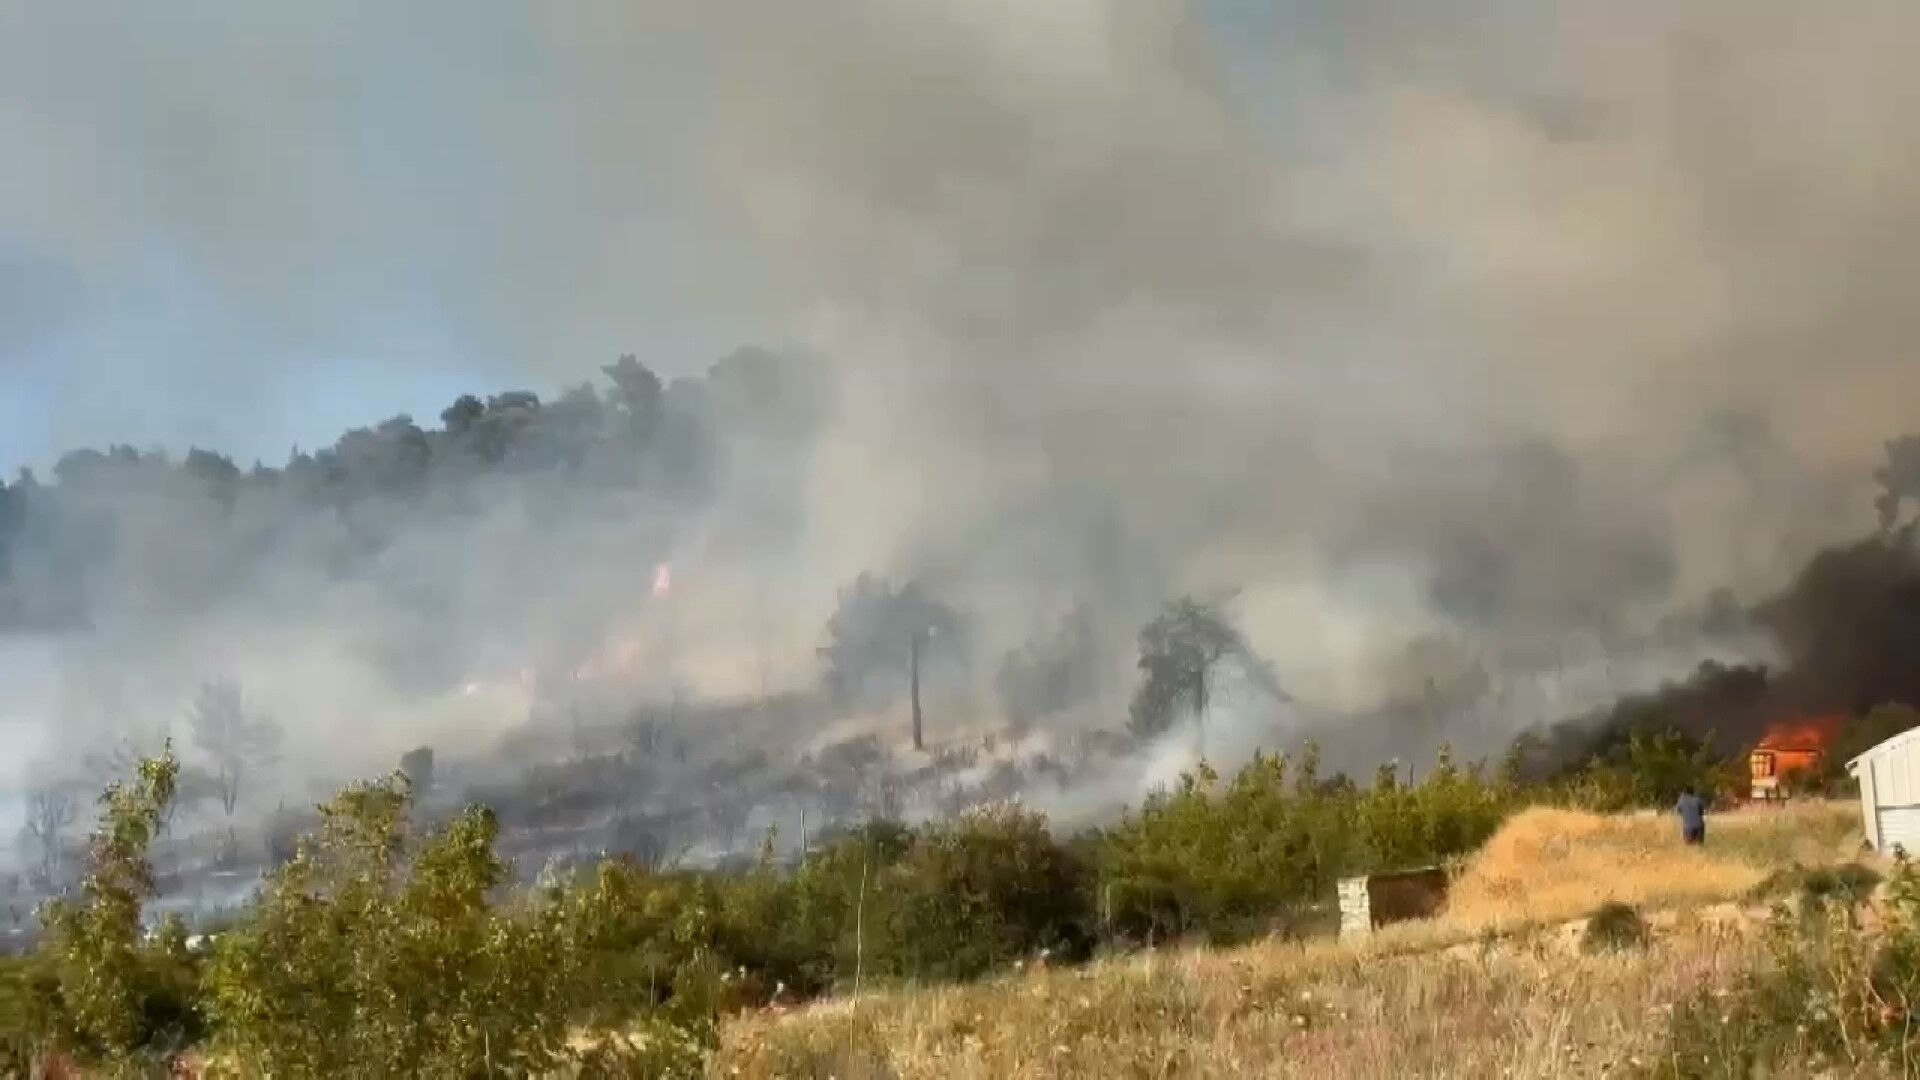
(1795, 746)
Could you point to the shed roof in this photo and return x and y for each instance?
(1886, 747)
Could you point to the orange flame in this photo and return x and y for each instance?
(1807, 734)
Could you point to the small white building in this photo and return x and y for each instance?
(1889, 776)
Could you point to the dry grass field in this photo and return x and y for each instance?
(1496, 987)
(1548, 864)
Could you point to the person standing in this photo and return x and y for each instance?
(1693, 816)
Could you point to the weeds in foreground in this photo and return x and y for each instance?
(1836, 991)
(1455, 997)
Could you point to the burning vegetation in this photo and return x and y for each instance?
(615, 757)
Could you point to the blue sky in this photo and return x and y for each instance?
(251, 226)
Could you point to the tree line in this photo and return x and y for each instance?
(339, 506)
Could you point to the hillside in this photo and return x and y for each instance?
(1499, 986)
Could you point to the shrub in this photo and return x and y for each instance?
(804, 930)
(1613, 927)
(1226, 863)
(1835, 995)
(21, 1031)
(632, 932)
(979, 892)
(378, 952)
(1850, 885)
(99, 989)
(1818, 888)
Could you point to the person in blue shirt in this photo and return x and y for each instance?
(1693, 816)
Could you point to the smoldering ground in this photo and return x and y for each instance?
(1495, 323)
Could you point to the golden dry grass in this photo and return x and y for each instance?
(1448, 998)
(1551, 864)
(1529, 1011)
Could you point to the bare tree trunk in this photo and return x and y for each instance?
(763, 647)
(1200, 712)
(913, 672)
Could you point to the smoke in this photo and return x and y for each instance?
(1494, 323)
(1506, 321)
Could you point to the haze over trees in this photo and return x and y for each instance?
(1051, 672)
(51, 811)
(1181, 650)
(880, 635)
(636, 441)
(1899, 479)
(237, 743)
(69, 546)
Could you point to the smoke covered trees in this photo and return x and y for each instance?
(50, 812)
(1051, 673)
(636, 393)
(121, 761)
(1899, 478)
(417, 765)
(1179, 650)
(880, 633)
(640, 436)
(236, 743)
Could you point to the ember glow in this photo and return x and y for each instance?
(1806, 734)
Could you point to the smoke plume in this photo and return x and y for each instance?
(1469, 343)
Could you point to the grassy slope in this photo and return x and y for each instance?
(1497, 987)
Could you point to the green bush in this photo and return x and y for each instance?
(373, 952)
(98, 989)
(977, 893)
(808, 930)
(376, 951)
(1226, 863)
(21, 1032)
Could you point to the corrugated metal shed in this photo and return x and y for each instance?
(1889, 776)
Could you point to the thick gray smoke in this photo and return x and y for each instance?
(1511, 320)
(1497, 325)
